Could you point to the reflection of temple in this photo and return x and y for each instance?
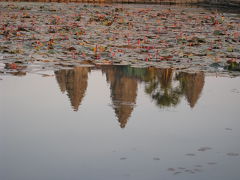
(192, 85)
(160, 88)
(123, 92)
(73, 81)
(165, 87)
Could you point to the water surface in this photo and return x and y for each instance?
(118, 122)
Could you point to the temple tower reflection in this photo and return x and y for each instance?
(123, 92)
(165, 86)
(74, 81)
(191, 85)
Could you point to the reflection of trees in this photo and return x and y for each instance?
(160, 88)
(159, 85)
(123, 92)
(192, 85)
(74, 81)
(164, 86)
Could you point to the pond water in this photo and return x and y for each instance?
(98, 92)
(119, 122)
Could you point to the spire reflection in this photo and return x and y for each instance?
(75, 82)
(165, 87)
(123, 92)
(191, 85)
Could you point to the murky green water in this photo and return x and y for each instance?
(117, 122)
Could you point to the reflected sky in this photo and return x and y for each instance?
(119, 123)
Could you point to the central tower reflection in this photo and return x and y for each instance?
(165, 86)
(123, 92)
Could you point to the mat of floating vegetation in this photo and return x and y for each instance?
(45, 35)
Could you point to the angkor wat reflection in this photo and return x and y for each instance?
(123, 92)
(74, 81)
(191, 86)
(165, 86)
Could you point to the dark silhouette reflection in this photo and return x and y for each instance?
(74, 81)
(123, 92)
(165, 87)
(159, 87)
(192, 85)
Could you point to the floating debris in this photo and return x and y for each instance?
(171, 169)
(123, 158)
(178, 172)
(190, 154)
(136, 35)
(232, 154)
(190, 171)
(211, 163)
(156, 158)
(204, 149)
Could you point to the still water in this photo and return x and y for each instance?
(118, 122)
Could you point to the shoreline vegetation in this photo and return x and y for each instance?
(39, 36)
